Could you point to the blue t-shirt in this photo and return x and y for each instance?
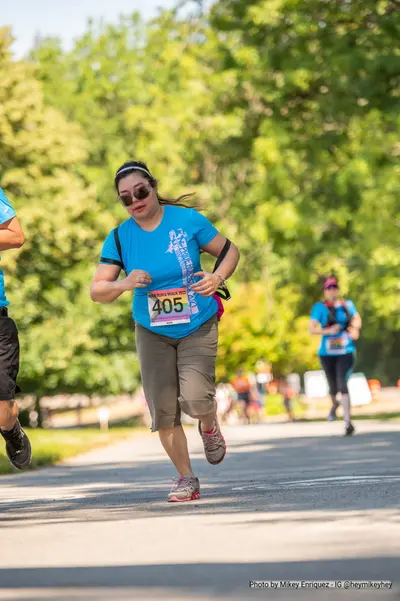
(6, 213)
(171, 255)
(341, 343)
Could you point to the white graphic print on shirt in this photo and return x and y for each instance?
(178, 246)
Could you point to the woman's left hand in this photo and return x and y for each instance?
(354, 333)
(208, 285)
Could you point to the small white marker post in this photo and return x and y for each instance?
(104, 415)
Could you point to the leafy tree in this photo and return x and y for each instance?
(41, 153)
(320, 83)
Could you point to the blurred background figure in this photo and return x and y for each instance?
(263, 378)
(288, 394)
(242, 386)
(255, 409)
(294, 381)
(226, 398)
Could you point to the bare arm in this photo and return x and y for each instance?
(11, 234)
(210, 282)
(316, 329)
(355, 327)
(231, 260)
(106, 287)
(356, 321)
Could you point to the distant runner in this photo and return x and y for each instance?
(339, 324)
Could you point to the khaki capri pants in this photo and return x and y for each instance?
(178, 374)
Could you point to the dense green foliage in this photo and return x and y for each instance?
(283, 117)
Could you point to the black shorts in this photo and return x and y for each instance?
(338, 370)
(287, 403)
(9, 358)
(245, 397)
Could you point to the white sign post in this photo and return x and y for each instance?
(359, 391)
(315, 387)
(103, 414)
(316, 384)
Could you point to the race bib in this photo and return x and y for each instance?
(337, 346)
(168, 307)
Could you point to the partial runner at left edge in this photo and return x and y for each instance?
(18, 447)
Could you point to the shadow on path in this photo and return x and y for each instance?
(252, 478)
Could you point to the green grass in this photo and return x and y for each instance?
(274, 406)
(52, 446)
(383, 417)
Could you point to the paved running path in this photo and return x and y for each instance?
(291, 502)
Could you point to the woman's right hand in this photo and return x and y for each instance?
(332, 330)
(136, 279)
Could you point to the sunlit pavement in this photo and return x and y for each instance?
(290, 502)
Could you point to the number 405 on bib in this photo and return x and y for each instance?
(168, 307)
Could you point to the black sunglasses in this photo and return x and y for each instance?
(333, 287)
(140, 193)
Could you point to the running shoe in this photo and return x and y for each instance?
(349, 430)
(185, 488)
(214, 444)
(18, 447)
(332, 414)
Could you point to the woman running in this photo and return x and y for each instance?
(174, 312)
(339, 324)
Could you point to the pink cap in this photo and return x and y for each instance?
(331, 282)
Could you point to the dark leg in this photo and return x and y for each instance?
(329, 365)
